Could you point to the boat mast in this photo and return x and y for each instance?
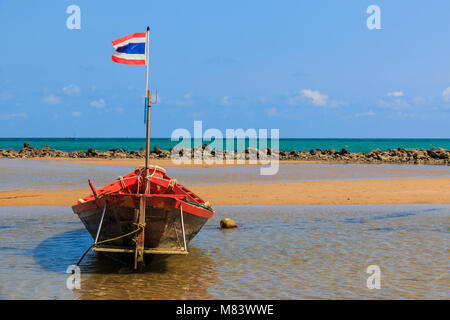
(148, 101)
(140, 237)
(148, 105)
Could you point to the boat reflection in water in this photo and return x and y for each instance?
(168, 277)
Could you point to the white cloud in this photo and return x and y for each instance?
(317, 98)
(76, 114)
(221, 60)
(187, 100)
(5, 95)
(337, 104)
(118, 109)
(11, 116)
(226, 101)
(52, 99)
(395, 94)
(418, 100)
(395, 104)
(369, 113)
(294, 101)
(98, 103)
(71, 90)
(446, 94)
(314, 97)
(272, 112)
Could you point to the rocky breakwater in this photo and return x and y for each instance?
(28, 151)
(436, 156)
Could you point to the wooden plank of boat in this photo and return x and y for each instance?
(139, 251)
(147, 251)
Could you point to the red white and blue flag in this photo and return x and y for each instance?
(130, 49)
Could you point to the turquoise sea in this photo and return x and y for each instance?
(287, 144)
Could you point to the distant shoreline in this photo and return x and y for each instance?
(432, 156)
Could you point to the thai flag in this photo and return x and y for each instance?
(130, 49)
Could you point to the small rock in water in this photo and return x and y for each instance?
(227, 223)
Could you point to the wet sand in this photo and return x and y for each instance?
(159, 162)
(388, 191)
(32, 174)
(50, 182)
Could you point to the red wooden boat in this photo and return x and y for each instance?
(143, 213)
(156, 214)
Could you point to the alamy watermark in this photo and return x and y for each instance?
(374, 20)
(74, 280)
(374, 280)
(233, 152)
(74, 20)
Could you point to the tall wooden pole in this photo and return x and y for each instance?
(148, 100)
(140, 237)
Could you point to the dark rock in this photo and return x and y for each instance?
(438, 153)
(343, 152)
(375, 151)
(157, 150)
(93, 153)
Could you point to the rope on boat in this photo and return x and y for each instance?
(121, 181)
(141, 227)
(101, 223)
(172, 183)
(139, 180)
(149, 180)
(199, 205)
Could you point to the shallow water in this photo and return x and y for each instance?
(47, 174)
(278, 252)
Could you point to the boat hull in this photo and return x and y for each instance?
(163, 230)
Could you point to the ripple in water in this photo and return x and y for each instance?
(278, 252)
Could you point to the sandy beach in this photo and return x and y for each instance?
(163, 162)
(363, 191)
(395, 191)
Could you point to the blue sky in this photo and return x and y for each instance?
(309, 68)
